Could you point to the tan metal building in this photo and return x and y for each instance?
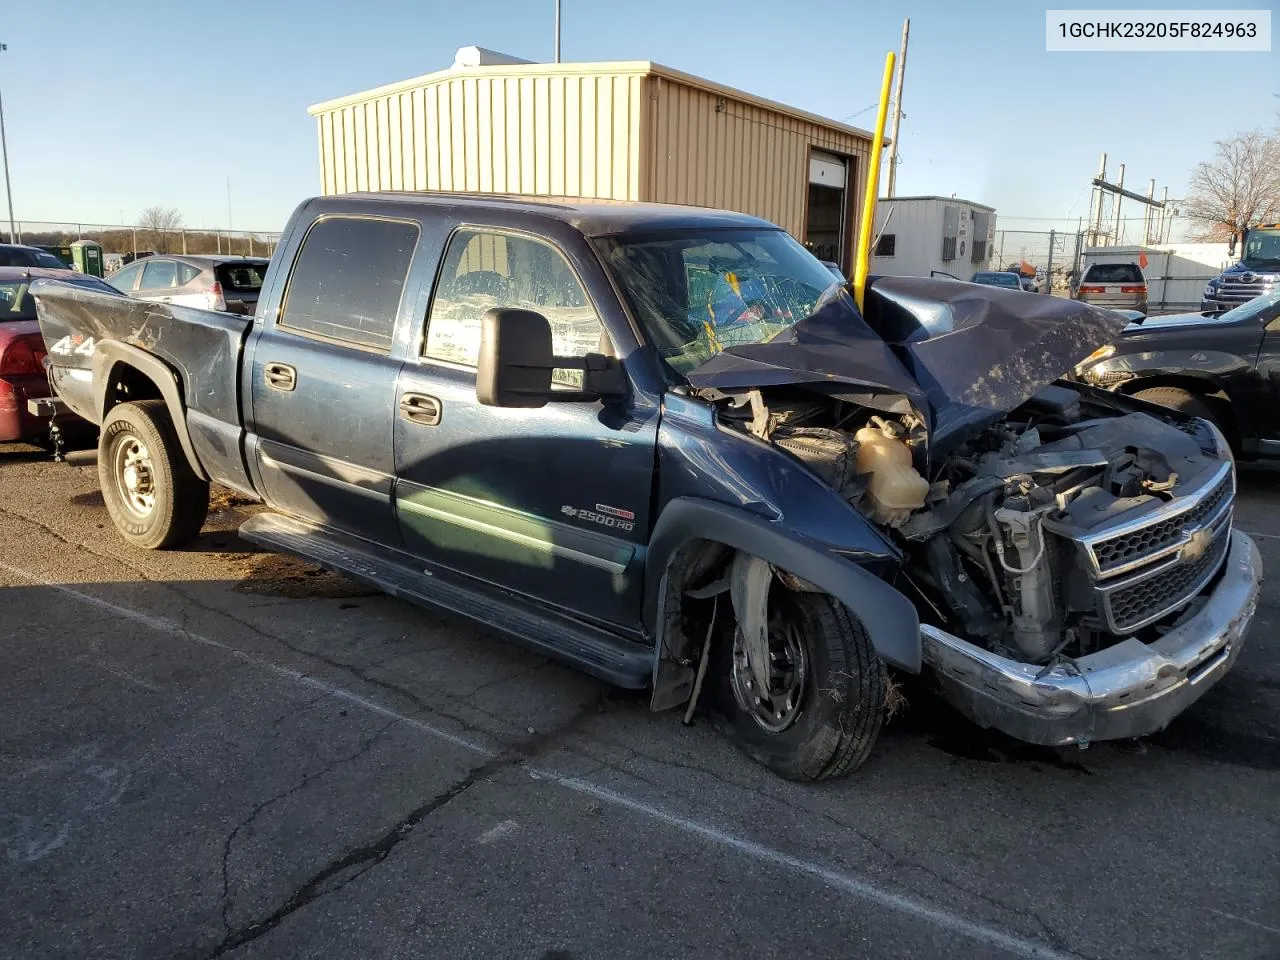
(624, 131)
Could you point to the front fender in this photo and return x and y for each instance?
(889, 617)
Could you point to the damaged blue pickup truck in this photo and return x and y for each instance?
(664, 445)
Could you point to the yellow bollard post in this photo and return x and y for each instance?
(862, 261)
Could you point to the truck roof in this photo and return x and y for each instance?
(590, 216)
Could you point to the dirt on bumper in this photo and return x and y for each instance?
(1128, 690)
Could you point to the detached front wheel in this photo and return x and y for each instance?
(153, 496)
(824, 704)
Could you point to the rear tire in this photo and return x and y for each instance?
(1184, 401)
(841, 699)
(153, 496)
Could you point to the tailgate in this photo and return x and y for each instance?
(202, 347)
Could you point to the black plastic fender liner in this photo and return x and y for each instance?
(890, 618)
(108, 353)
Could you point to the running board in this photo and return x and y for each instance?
(614, 659)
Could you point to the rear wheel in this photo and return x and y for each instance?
(1184, 401)
(824, 705)
(153, 496)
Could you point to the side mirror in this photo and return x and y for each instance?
(517, 360)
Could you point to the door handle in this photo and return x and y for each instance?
(166, 299)
(280, 376)
(419, 408)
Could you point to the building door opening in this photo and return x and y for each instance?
(827, 208)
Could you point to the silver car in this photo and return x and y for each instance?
(214, 283)
(1116, 286)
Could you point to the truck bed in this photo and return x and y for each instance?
(201, 347)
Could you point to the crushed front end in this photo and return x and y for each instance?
(1069, 551)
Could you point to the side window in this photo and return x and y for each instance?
(486, 269)
(125, 278)
(347, 281)
(187, 273)
(158, 274)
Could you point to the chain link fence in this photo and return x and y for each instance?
(1057, 252)
(127, 241)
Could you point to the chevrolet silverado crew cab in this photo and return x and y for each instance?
(664, 444)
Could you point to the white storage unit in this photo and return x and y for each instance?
(915, 236)
(1176, 272)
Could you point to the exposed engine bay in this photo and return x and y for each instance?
(1043, 536)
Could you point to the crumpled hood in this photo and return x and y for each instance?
(962, 354)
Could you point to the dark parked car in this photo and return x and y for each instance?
(1116, 286)
(22, 349)
(17, 255)
(1224, 367)
(662, 444)
(993, 278)
(214, 283)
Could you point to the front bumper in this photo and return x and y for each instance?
(1129, 690)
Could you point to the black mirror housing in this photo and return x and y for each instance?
(516, 359)
(516, 363)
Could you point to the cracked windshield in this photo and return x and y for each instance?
(697, 295)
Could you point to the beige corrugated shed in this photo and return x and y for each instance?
(625, 131)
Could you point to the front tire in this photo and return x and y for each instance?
(153, 496)
(825, 706)
(1184, 401)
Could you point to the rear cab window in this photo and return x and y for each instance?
(1113, 273)
(348, 279)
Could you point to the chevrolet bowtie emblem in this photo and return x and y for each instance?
(1198, 545)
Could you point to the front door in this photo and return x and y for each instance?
(550, 502)
(323, 378)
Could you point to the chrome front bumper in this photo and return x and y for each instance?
(1128, 690)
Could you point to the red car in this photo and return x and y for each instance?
(22, 375)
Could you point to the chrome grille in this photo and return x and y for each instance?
(1133, 606)
(1148, 568)
(1128, 549)
(1236, 291)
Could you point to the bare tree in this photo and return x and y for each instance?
(1238, 189)
(159, 225)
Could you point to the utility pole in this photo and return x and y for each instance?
(557, 31)
(4, 149)
(897, 110)
(228, 215)
(1119, 226)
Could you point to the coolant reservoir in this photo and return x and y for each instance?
(895, 488)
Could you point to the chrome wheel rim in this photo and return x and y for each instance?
(775, 709)
(135, 476)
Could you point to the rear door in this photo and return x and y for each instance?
(322, 376)
(550, 502)
(159, 280)
(193, 287)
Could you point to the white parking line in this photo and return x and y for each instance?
(839, 880)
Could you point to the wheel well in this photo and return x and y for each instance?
(695, 564)
(1207, 390)
(125, 384)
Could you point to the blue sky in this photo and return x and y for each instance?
(159, 103)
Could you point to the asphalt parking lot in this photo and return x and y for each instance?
(220, 752)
